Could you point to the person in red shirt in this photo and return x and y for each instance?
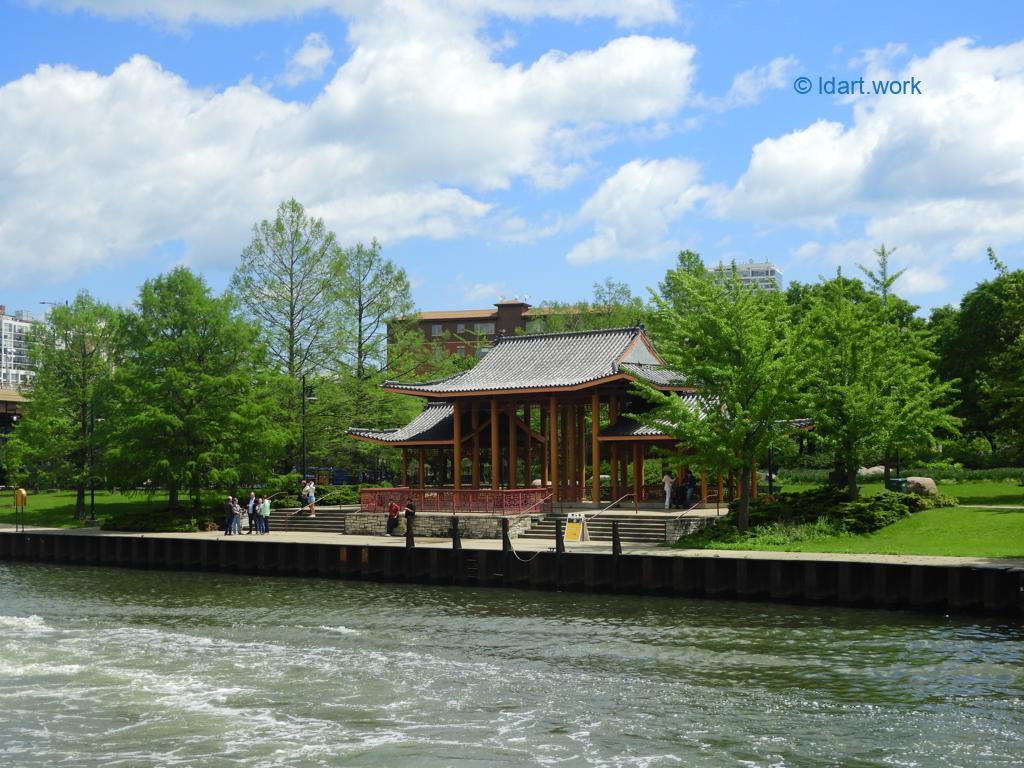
(393, 510)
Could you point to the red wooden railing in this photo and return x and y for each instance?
(450, 501)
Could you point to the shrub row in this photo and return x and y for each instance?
(943, 472)
(164, 520)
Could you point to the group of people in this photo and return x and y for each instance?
(393, 512)
(679, 492)
(257, 510)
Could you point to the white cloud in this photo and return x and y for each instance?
(309, 61)
(625, 12)
(940, 174)
(915, 282)
(749, 86)
(632, 210)
(411, 128)
(483, 292)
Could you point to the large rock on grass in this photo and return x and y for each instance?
(876, 471)
(922, 486)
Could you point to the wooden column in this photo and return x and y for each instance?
(457, 445)
(405, 467)
(545, 458)
(637, 473)
(581, 449)
(720, 499)
(553, 446)
(420, 466)
(495, 448)
(474, 411)
(568, 429)
(595, 447)
(613, 459)
(703, 486)
(513, 448)
(613, 471)
(528, 448)
(753, 481)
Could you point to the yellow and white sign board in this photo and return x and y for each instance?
(576, 528)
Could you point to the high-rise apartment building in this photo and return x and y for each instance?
(763, 274)
(15, 371)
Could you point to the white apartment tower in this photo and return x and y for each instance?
(764, 275)
(14, 364)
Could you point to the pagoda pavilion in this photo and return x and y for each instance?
(539, 412)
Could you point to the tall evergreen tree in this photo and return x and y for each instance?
(188, 404)
(56, 440)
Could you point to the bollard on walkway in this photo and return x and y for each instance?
(456, 536)
(410, 540)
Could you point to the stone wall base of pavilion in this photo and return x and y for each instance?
(448, 501)
(435, 525)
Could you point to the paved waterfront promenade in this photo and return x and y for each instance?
(534, 545)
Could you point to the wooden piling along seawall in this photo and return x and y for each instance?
(994, 589)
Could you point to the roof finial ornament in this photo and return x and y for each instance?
(639, 324)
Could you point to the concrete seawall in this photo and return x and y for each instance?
(991, 587)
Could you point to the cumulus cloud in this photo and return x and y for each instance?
(626, 12)
(941, 174)
(309, 62)
(633, 209)
(410, 132)
(750, 85)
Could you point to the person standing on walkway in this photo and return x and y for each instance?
(311, 498)
(265, 515)
(668, 481)
(229, 515)
(252, 515)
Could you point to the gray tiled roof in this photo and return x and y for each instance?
(626, 427)
(545, 361)
(656, 375)
(434, 424)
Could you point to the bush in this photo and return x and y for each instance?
(160, 521)
(874, 512)
(801, 507)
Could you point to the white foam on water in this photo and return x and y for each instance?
(25, 623)
(339, 630)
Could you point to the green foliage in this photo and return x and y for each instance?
(803, 507)
(166, 520)
(867, 382)
(733, 344)
(56, 442)
(613, 306)
(981, 343)
(191, 407)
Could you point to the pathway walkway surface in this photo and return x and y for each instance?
(535, 545)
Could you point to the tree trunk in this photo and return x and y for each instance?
(172, 497)
(887, 472)
(743, 518)
(80, 500)
(852, 491)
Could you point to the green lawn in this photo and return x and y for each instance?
(57, 509)
(959, 531)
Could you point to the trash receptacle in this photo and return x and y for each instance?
(897, 484)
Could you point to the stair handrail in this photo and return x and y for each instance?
(688, 509)
(617, 501)
(529, 511)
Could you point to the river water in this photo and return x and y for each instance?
(107, 667)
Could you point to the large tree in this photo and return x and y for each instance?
(732, 344)
(286, 284)
(190, 408)
(55, 441)
(981, 343)
(867, 383)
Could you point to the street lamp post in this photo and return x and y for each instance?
(307, 396)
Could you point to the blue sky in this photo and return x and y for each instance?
(507, 147)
